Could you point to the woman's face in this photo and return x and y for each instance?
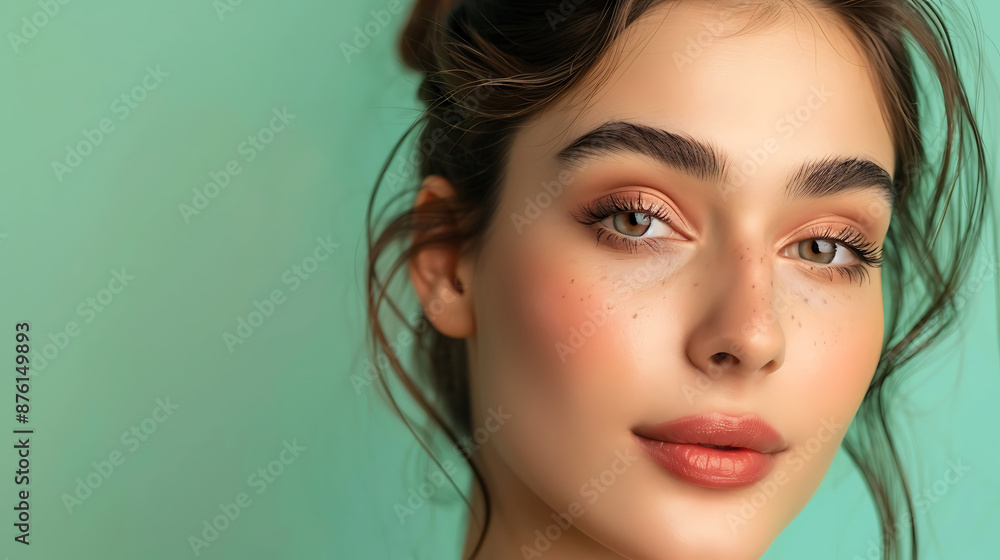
(688, 237)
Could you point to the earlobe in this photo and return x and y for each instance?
(441, 275)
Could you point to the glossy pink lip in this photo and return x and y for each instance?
(682, 447)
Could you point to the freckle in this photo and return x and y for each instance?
(564, 296)
(753, 285)
(824, 301)
(581, 299)
(800, 324)
(805, 299)
(572, 280)
(634, 316)
(793, 317)
(696, 284)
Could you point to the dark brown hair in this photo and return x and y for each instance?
(489, 65)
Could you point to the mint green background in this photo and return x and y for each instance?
(162, 336)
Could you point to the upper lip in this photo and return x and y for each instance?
(748, 431)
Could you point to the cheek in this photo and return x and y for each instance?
(569, 327)
(834, 342)
(551, 347)
(539, 312)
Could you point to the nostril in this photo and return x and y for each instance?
(723, 358)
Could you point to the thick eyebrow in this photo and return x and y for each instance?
(837, 175)
(815, 179)
(695, 158)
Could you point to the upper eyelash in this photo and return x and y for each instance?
(616, 204)
(867, 251)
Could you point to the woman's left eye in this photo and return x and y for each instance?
(637, 224)
(822, 251)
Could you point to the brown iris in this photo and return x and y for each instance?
(632, 223)
(818, 250)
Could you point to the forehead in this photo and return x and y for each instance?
(736, 78)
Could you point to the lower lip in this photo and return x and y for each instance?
(710, 467)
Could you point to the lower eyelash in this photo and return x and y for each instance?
(632, 245)
(595, 212)
(867, 251)
(854, 272)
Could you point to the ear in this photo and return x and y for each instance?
(441, 275)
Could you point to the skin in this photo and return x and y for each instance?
(801, 344)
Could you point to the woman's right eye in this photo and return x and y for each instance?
(637, 224)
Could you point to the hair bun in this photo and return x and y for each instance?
(415, 40)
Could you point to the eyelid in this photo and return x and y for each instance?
(867, 252)
(595, 212)
(631, 201)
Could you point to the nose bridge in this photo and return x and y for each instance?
(738, 325)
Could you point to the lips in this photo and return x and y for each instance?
(713, 450)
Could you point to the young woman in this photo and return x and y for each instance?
(666, 253)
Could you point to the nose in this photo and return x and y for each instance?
(737, 323)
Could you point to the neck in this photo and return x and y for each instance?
(522, 526)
